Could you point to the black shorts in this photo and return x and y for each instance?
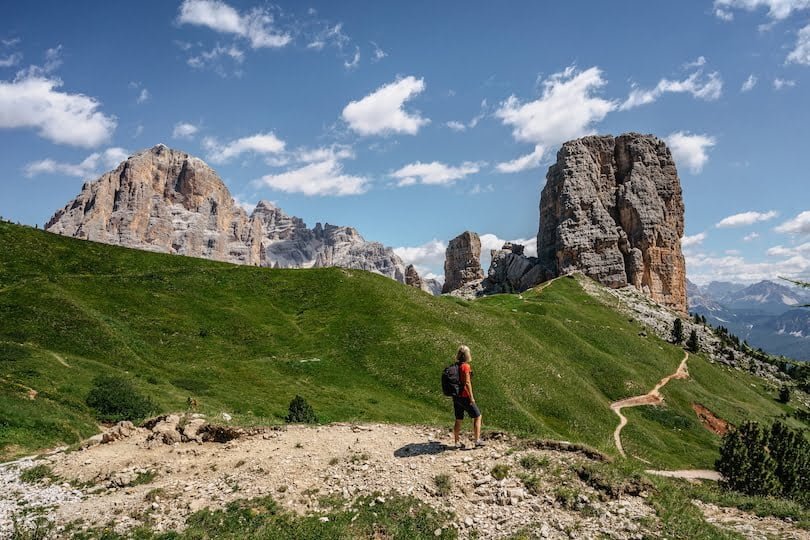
(462, 405)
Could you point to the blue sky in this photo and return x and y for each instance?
(414, 121)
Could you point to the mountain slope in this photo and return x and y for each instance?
(356, 345)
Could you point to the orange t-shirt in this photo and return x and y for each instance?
(462, 369)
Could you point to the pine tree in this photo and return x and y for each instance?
(300, 411)
(760, 477)
(693, 344)
(784, 394)
(677, 331)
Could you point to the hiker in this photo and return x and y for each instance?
(465, 400)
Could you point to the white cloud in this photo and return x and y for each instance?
(690, 150)
(261, 143)
(698, 62)
(90, 166)
(256, 25)
(244, 205)
(456, 126)
(378, 53)
(724, 15)
(708, 88)
(777, 9)
(381, 112)
(434, 173)
(461, 126)
(746, 218)
(331, 35)
(703, 268)
(214, 58)
(801, 52)
(522, 163)
(35, 102)
(694, 240)
(143, 96)
(751, 236)
(568, 108)
(184, 130)
(11, 60)
(428, 259)
(778, 83)
(355, 61)
(749, 83)
(781, 251)
(798, 225)
(319, 178)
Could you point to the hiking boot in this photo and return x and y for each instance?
(479, 443)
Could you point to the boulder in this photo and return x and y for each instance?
(462, 265)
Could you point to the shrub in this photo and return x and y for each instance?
(677, 331)
(443, 484)
(499, 471)
(760, 461)
(36, 473)
(692, 344)
(784, 394)
(300, 411)
(532, 462)
(114, 399)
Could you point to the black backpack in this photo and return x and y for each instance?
(451, 380)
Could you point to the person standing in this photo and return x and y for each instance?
(464, 402)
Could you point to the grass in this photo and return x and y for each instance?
(243, 340)
(398, 517)
(500, 471)
(679, 517)
(443, 484)
(760, 506)
(37, 473)
(533, 462)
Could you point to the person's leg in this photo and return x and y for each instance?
(477, 428)
(456, 431)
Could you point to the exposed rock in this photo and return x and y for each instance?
(462, 264)
(612, 208)
(510, 271)
(430, 286)
(168, 201)
(412, 277)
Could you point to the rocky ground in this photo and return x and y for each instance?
(161, 473)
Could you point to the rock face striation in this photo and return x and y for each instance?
(462, 264)
(430, 286)
(612, 208)
(167, 201)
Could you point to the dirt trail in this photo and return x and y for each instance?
(653, 397)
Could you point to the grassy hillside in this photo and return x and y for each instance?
(356, 345)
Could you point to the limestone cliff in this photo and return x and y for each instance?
(168, 201)
(612, 208)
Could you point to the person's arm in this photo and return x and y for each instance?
(468, 384)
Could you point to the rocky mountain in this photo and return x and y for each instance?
(165, 200)
(766, 314)
(430, 286)
(462, 263)
(612, 208)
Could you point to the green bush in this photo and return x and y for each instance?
(769, 462)
(114, 399)
(784, 394)
(693, 344)
(677, 330)
(300, 411)
(499, 471)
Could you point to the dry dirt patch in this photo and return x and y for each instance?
(710, 421)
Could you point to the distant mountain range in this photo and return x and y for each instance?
(766, 314)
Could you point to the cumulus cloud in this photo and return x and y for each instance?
(693, 240)
(751, 236)
(255, 26)
(320, 178)
(434, 173)
(261, 143)
(11, 60)
(801, 51)
(798, 225)
(779, 84)
(184, 130)
(91, 166)
(703, 268)
(567, 108)
(781, 251)
(522, 163)
(706, 87)
(382, 112)
(690, 150)
(61, 117)
(428, 258)
(746, 218)
(491, 241)
(777, 9)
(749, 83)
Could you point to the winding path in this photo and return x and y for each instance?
(653, 397)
